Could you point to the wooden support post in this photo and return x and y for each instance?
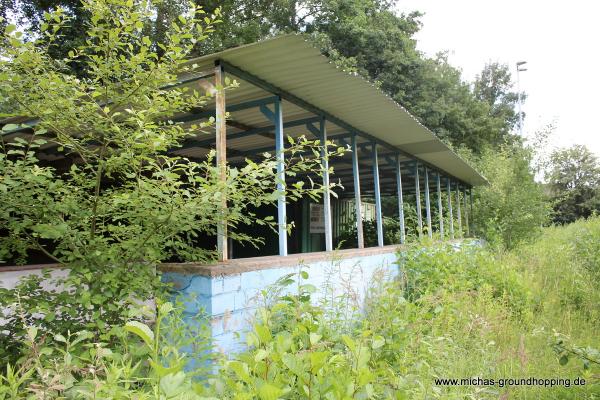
(326, 197)
(458, 214)
(440, 208)
(221, 150)
(400, 200)
(467, 227)
(428, 204)
(357, 201)
(281, 203)
(378, 215)
(418, 200)
(450, 213)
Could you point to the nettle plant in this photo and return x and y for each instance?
(122, 203)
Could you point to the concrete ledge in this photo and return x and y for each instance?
(241, 265)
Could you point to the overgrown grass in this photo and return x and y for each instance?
(533, 312)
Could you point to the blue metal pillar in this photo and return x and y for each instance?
(418, 200)
(466, 211)
(428, 204)
(357, 201)
(400, 200)
(280, 178)
(458, 214)
(377, 195)
(450, 213)
(440, 208)
(471, 206)
(326, 197)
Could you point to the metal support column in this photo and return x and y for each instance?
(467, 227)
(400, 200)
(221, 158)
(281, 203)
(357, 201)
(472, 216)
(450, 213)
(377, 195)
(326, 197)
(428, 204)
(458, 214)
(418, 200)
(440, 208)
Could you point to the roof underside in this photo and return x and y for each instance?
(294, 66)
(310, 86)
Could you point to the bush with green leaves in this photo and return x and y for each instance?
(513, 207)
(460, 323)
(446, 268)
(120, 201)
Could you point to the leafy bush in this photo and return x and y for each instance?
(455, 314)
(120, 201)
(586, 240)
(444, 267)
(513, 207)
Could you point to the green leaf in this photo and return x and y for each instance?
(349, 342)
(260, 355)
(240, 369)
(9, 127)
(165, 308)
(50, 231)
(314, 338)
(164, 371)
(174, 384)
(263, 332)
(142, 331)
(269, 392)
(377, 342)
(10, 29)
(563, 360)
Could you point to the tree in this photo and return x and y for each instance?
(513, 207)
(574, 183)
(123, 203)
(494, 87)
(363, 36)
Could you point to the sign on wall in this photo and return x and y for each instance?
(317, 219)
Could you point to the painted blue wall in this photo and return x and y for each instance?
(231, 300)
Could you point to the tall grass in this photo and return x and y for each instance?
(530, 312)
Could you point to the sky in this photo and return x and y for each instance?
(558, 39)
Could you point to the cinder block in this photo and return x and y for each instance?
(201, 285)
(225, 284)
(177, 281)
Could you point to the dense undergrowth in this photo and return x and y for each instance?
(533, 312)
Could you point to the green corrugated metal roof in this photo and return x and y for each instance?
(294, 65)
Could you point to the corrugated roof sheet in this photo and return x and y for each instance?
(294, 65)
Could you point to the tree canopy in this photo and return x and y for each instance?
(365, 36)
(574, 183)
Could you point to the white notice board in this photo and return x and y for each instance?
(317, 219)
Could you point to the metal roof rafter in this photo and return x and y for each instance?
(285, 95)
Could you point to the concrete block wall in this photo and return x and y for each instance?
(231, 299)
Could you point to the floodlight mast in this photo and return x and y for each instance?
(520, 69)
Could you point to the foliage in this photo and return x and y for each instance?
(446, 268)
(574, 182)
(455, 314)
(146, 363)
(513, 207)
(120, 201)
(363, 36)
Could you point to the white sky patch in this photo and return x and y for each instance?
(558, 39)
